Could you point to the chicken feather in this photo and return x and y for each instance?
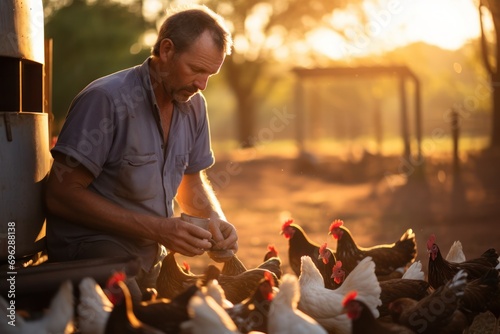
(325, 305)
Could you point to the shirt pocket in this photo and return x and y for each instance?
(138, 177)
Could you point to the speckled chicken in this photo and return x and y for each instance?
(387, 257)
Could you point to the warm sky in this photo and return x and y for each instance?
(393, 23)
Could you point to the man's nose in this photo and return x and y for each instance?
(201, 81)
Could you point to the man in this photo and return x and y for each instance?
(132, 143)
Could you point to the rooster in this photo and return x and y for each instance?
(437, 311)
(252, 313)
(325, 305)
(299, 244)
(440, 271)
(58, 318)
(387, 258)
(364, 322)
(284, 317)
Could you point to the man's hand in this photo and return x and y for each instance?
(184, 238)
(224, 234)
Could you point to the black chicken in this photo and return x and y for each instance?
(435, 313)
(441, 271)
(299, 244)
(387, 258)
(364, 322)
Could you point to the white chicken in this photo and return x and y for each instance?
(284, 317)
(415, 272)
(456, 253)
(94, 307)
(207, 317)
(57, 319)
(325, 305)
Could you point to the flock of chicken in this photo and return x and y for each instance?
(381, 289)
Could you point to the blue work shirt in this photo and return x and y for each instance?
(113, 129)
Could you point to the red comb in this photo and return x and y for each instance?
(287, 223)
(113, 291)
(322, 248)
(272, 249)
(269, 277)
(336, 223)
(350, 296)
(186, 265)
(431, 241)
(337, 265)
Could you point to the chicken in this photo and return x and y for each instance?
(440, 271)
(122, 318)
(387, 258)
(94, 307)
(252, 313)
(56, 319)
(456, 253)
(161, 313)
(271, 252)
(325, 305)
(207, 317)
(479, 294)
(299, 244)
(173, 279)
(238, 288)
(284, 317)
(234, 266)
(364, 322)
(436, 312)
(393, 289)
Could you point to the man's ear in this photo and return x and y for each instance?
(167, 48)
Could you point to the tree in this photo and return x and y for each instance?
(261, 31)
(491, 60)
(90, 40)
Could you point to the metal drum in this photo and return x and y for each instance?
(24, 138)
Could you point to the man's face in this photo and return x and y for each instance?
(187, 73)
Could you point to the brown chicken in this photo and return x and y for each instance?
(440, 271)
(387, 257)
(299, 244)
(271, 252)
(364, 322)
(435, 313)
(172, 280)
(234, 266)
(479, 295)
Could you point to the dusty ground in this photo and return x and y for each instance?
(377, 197)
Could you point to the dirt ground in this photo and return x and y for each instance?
(377, 197)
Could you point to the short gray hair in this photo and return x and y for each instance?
(187, 24)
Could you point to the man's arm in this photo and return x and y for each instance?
(196, 197)
(67, 196)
